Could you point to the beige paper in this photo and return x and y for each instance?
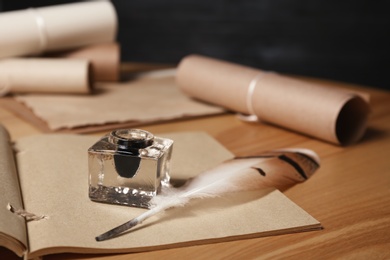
(53, 173)
(104, 58)
(33, 31)
(29, 75)
(143, 100)
(12, 230)
(330, 114)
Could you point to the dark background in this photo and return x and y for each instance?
(340, 40)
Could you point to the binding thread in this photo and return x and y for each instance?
(26, 215)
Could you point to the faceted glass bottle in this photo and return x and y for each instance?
(128, 167)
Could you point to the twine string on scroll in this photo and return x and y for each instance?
(41, 26)
(251, 89)
(251, 116)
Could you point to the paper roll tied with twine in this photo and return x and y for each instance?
(37, 30)
(335, 115)
(22, 75)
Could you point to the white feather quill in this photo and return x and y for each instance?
(231, 176)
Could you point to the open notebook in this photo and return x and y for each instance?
(51, 179)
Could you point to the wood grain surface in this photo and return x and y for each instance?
(349, 195)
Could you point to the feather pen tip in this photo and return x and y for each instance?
(117, 230)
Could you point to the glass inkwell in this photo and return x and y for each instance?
(128, 167)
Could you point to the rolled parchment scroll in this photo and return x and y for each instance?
(37, 30)
(104, 58)
(335, 115)
(28, 75)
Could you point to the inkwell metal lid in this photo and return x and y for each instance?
(131, 139)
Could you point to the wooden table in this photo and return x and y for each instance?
(349, 195)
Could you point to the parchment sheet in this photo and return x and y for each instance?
(143, 100)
